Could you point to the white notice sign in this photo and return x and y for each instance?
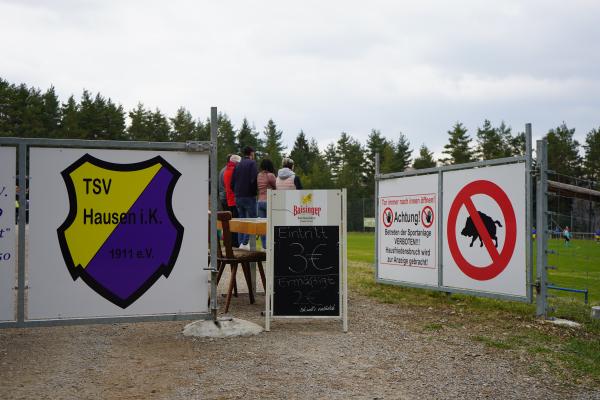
(407, 231)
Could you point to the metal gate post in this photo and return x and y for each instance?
(440, 227)
(213, 215)
(22, 173)
(529, 211)
(376, 201)
(542, 230)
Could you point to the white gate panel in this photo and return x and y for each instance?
(490, 200)
(8, 233)
(54, 293)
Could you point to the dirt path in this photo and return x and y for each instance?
(386, 354)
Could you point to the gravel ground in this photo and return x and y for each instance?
(387, 354)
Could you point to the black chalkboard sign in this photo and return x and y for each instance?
(306, 271)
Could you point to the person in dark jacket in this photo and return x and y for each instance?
(245, 189)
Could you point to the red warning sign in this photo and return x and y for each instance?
(427, 216)
(388, 217)
(500, 259)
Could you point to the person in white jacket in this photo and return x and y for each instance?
(286, 178)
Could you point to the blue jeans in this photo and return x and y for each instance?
(262, 213)
(246, 209)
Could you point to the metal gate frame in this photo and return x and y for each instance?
(527, 159)
(22, 145)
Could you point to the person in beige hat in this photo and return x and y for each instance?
(286, 178)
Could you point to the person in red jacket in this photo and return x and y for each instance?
(229, 194)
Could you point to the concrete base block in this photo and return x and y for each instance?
(596, 312)
(224, 327)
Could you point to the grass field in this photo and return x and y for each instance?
(577, 266)
(509, 326)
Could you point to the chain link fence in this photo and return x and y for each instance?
(574, 243)
(361, 214)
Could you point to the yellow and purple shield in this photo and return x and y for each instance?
(121, 233)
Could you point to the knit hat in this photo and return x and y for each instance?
(235, 158)
(287, 162)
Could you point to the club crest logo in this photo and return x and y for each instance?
(121, 233)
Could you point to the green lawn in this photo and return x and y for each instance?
(574, 355)
(361, 246)
(578, 266)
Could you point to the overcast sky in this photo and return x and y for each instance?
(321, 66)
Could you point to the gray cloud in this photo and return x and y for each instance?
(324, 67)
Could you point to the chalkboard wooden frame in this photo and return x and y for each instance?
(313, 221)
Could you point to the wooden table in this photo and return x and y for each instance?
(252, 227)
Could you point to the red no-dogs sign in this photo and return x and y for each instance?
(427, 216)
(499, 259)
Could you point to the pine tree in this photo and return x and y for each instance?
(331, 160)
(425, 159)
(32, 122)
(6, 90)
(591, 167)
(226, 136)
(202, 131)
(351, 172)
(160, 129)
(301, 155)
(563, 151)
(505, 133)
(51, 113)
(320, 175)
(564, 160)
(247, 136)
(517, 145)
(376, 143)
(138, 128)
(14, 110)
(184, 127)
(388, 162)
(592, 155)
(273, 144)
(88, 115)
(113, 120)
(490, 143)
(402, 154)
(69, 122)
(99, 128)
(457, 149)
(313, 151)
